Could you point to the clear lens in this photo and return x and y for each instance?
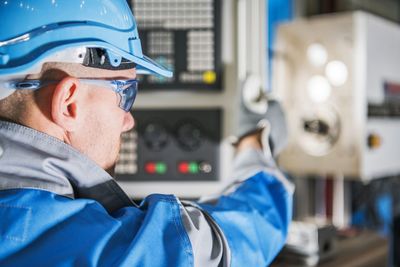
(128, 95)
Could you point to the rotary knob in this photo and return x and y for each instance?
(189, 136)
(155, 136)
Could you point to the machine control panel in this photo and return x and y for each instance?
(179, 143)
(171, 145)
(184, 36)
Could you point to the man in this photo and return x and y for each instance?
(67, 84)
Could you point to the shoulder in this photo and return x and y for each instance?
(82, 230)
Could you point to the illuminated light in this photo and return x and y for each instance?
(337, 73)
(186, 167)
(193, 167)
(319, 89)
(317, 54)
(209, 77)
(161, 168)
(183, 167)
(150, 167)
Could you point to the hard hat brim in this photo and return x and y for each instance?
(144, 64)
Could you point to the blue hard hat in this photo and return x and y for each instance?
(32, 31)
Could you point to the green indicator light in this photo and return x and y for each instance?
(161, 168)
(193, 167)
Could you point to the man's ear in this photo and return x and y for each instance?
(64, 108)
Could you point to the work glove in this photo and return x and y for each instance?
(258, 114)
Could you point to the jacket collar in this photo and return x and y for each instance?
(31, 159)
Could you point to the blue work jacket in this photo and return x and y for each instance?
(57, 208)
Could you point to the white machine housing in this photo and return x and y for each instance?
(340, 133)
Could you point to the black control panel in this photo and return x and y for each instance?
(184, 36)
(171, 145)
(176, 144)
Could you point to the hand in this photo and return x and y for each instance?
(249, 141)
(270, 122)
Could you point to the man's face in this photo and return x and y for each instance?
(103, 121)
(98, 120)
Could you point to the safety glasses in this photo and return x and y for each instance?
(126, 89)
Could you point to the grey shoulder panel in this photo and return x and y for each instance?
(209, 244)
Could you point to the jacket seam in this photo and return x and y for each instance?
(179, 227)
(27, 222)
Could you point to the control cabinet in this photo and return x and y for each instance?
(179, 144)
(172, 145)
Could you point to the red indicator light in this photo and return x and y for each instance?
(183, 167)
(150, 167)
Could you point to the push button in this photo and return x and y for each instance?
(374, 141)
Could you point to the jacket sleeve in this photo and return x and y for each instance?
(247, 224)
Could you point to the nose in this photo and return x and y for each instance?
(129, 122)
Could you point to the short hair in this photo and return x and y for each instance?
(13, 106)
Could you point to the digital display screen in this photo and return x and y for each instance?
(184, 36)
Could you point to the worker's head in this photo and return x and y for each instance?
(68, 68)
(85, 107)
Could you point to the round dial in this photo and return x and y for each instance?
(155, 136)
(189, 136)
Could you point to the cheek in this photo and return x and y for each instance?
(109, 125)
(102, 139)
(100, 130)
(106, 115)
(105, 111)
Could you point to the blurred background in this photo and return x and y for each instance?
(335, 67)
